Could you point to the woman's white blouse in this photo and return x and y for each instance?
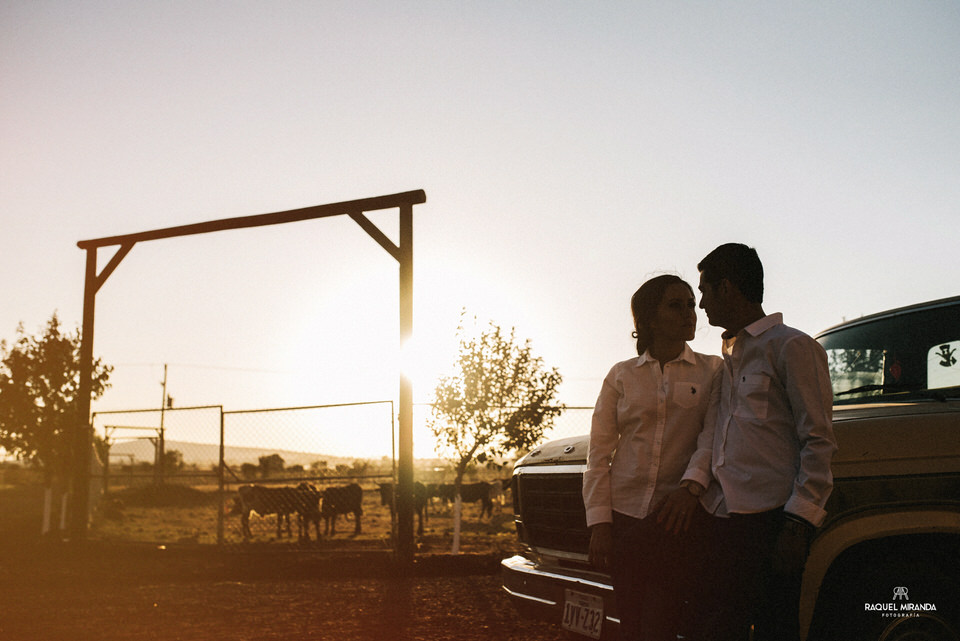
(645, 432)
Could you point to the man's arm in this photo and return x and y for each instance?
(811, 400)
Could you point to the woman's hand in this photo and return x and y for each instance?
(601, 545)
(675, 511)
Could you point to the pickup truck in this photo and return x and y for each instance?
(884, 566)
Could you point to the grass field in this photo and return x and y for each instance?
(183, 515)
(151, 571)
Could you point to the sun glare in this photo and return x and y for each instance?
(424, 359)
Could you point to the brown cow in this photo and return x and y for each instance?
(309, 511)
(282, 501)
(469, 493)
(341, 499)
(420, 495)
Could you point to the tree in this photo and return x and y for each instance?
(173, 460)
(360, 467)
(39, 396)
(499, 400)
(271, 465)
(295, 470)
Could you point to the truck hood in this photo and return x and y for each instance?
(572, 449)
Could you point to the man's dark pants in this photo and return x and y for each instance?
(745, 589)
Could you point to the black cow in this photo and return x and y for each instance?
(341, 499)
(499, 489)
(419, 501)
(282, 501)
(469, 493)
(309, 511)
(443, 491)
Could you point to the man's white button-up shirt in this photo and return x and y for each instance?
(774, 439)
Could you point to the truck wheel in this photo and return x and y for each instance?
(922, 628)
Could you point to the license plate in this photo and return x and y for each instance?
(582, 613)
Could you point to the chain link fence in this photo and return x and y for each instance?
(159, 479)
(174, 476)
(341, 452)
(574, 421)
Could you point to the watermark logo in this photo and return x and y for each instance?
(900, 605)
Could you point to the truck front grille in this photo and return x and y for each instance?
(551, 511)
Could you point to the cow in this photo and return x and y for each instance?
(442, 491)
(282, 501)
(469, 493)
(499, 489)
(420, 495)
(309, 511)
(341, 499)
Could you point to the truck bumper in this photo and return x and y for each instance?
(540, 591)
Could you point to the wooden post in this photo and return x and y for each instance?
(354, 208)
(405, 507)
(83, 435)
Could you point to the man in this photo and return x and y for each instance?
(772, 447)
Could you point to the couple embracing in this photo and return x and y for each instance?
(707, 476)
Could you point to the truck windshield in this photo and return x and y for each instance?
(901, 356)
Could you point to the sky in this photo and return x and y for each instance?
(568, 152)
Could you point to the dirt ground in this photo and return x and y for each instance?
(109, 592)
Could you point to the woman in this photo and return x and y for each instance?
(647, 468)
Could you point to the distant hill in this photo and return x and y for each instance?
(204, 455)
(207, 454)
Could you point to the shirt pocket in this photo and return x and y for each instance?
(753, 396)
(686, 394)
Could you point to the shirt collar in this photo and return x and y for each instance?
(759, 326)
(686, 355)
(756, 328)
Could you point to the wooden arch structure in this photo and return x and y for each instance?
(402, 252)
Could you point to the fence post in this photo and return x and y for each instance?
(221, 497)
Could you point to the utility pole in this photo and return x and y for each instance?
(161, 445)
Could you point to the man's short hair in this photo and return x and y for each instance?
(737, 263)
